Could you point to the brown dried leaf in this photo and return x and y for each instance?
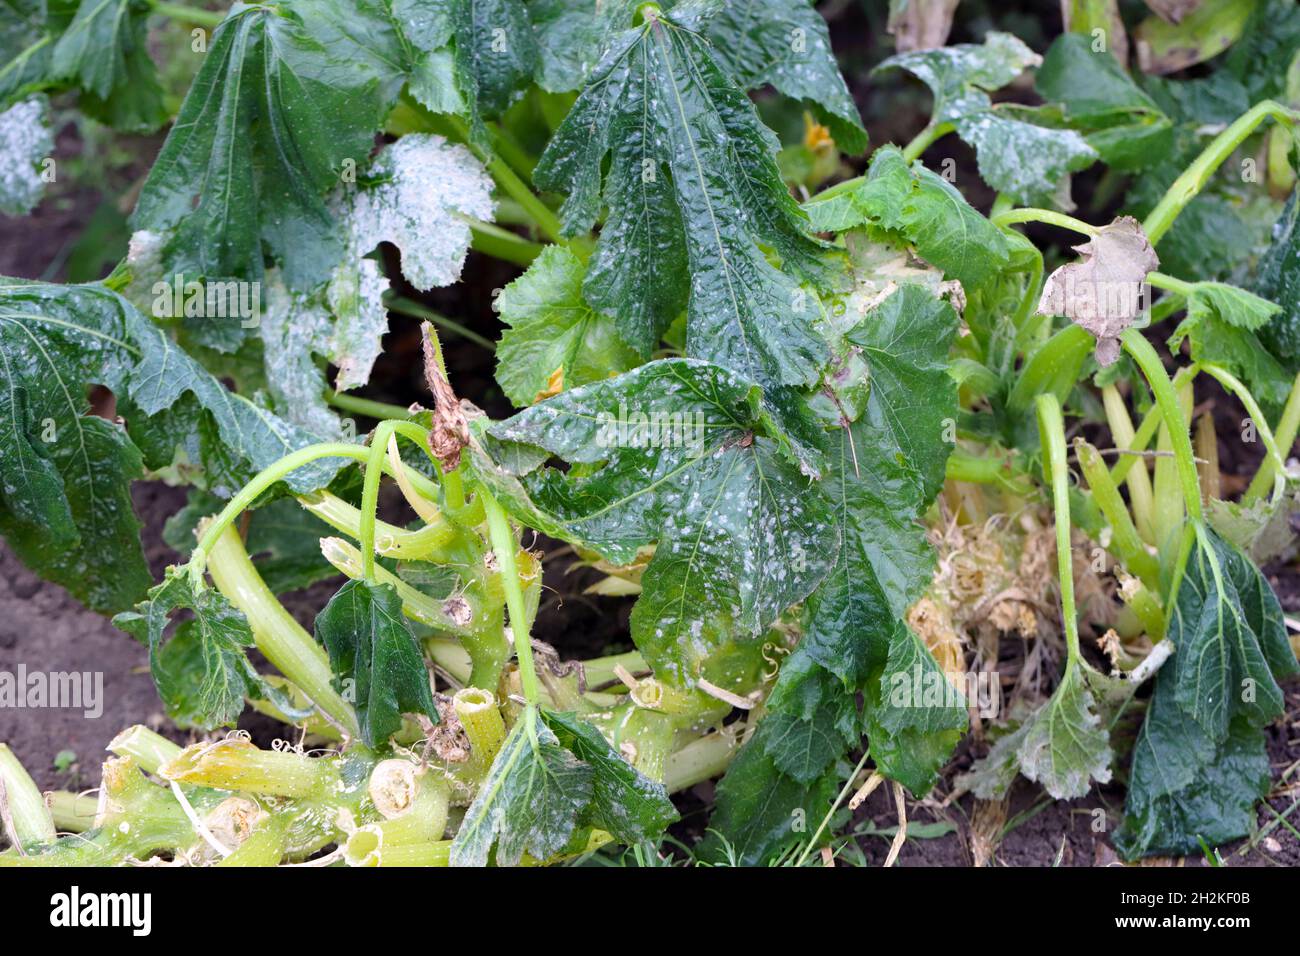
(449, 432)
(1102, 292)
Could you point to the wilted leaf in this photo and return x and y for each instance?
(73, 507)
(105, 51)
(371, 647)
(1103, 291)
(624, 802)
(1199, 763)
(530, 802)
(217, 640)
(1027, 162)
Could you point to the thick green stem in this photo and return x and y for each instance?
(1172, 412)
(238, 765)
(282, 639)
(1138, 480)
(701, 760)
(182, 14)
(512, 185)
(1286, 434)
(1053, 368)
(1030, 214)
(366, 406)
(1052, 436)
(505, 546)
(72, 812)
(1234, 385)
(1146, 429)
(1193, 179)
(924, 139)
(1125, 541)
(148, 749)
(428, 543)
(26, 819)
(370, 497)
(501, 244)
(277, 471)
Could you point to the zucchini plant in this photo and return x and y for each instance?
(761, 393)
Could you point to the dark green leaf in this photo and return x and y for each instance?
(105, 51)
(762, 811)
(371, 647)
(1279, 282)
(623, 802)
(265, 131)
(680, 454)
(785, 43)
(54, 342)
(206, 680)
(530, 801)
(1199, 763)
(692, 191)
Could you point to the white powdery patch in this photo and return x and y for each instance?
(356, 297)
(425, 182)
(25, 140)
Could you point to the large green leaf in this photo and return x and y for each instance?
(1199, 763)
(530, 801)
(1025, 161)
(885, 470)
(371, 647)
(680, 454)
(919, 208)
(64, 501)
(692, 190)
(286, 99)
(786, 43)
(1099, 99)
(105, 51)
(554, 339)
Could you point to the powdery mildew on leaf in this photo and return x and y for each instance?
(424, 182)
(1103, 291)
(25, 140)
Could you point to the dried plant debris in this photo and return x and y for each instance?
(1103, 292)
